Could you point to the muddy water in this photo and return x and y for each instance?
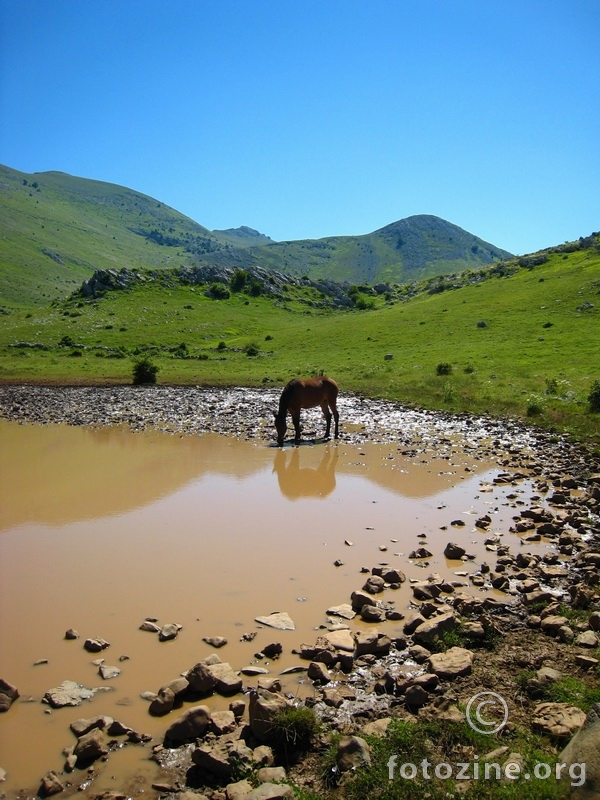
(101, 528)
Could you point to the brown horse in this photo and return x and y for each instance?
(307, 393)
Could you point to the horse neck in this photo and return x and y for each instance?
(284, 402)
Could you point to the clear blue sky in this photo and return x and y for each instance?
(309, 118)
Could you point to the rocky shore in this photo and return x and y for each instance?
(523, 623)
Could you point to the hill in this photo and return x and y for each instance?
(410, 249)
(57, 230)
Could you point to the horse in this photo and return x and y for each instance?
(307, 393)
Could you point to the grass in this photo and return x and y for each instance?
(437, 750)
(539, 346)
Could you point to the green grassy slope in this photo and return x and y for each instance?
(410, 249)
(57, 229)
(517, 345)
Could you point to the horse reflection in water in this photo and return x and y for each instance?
(307, 393)
(296, 482)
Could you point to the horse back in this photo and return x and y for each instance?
(310, 392)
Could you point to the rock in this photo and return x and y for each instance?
(90, 747)
(334, 696)
(372, 614)
(237, 708)
(552, 623)
(583, 749)
(586, 662)
(420, 552)
(253, 670)
(226, 680)
(8, 694)
(82, 726)
(273, 650)
(548, 675)
(353, 753)
(393, 576)
(374, 585)
(233, 791)
(95, 645)
(68, 693)
(345, 611)
(433, 628)
(455, 662)
(280, 620)
(151, 627)
(587, 639)
(594, 620)
(191, 725)
(214, 759)
(377, 644)
(416, 696)
(215, 641)
(271, 791)
(454, 552)
(271, 775)
(263, 708)
(71, 634)
(262, 756)
(560, 720)
(163, 703)
(106, 672)
(51, 785)
(341, 640)
(169, 631)
(377, 728)
(318, 673)
(223, 722)
(360, 598)
(201, 679)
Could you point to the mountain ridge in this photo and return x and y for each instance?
(59, 229)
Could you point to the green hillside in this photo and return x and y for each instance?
(521, 338)
(411, 249)
(57, 230)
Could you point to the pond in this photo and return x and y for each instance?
(101, 528)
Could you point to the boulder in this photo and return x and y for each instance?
(162, 703)
(201, 679)
(106, 672)
(454, 552)
(91, 746)
(353, 753)
(226, 680)
(263, 707)
(433, 628)
(583, 749)
(271, 791)
(50, 785)
(454, 663)
(215, 641)
(8, 694)
(95, 645)
(190, 726)
(82, 726)
(169, 631)
(68, 693)
(587, 639)
(341, 640)
(279, 619)
(318, 673)
(360, 598)
(372, 614)
(374, 585)
(223, 722)
(559, 720)
(344, 610)
(373, 643)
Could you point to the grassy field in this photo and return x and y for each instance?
(525, 346)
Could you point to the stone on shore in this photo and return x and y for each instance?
(8, 694)
(280, 620)
(453, 663)
(191, 725)
(559, 720)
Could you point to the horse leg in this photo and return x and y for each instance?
(327, 415)
(336, 418)
(296, 421)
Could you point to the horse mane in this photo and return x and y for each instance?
(285, 397)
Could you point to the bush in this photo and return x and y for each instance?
(218, 291)
(144, 371)
(594, 398)
(238, 280)
(251, 349)
(294, 728)
(443, 369)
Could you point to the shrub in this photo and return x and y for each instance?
(251, 349)
(144, 371)
(238, 280)
(218, 291)
(534, 408)
(443, 369)
(294, 728)
(594, 398)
